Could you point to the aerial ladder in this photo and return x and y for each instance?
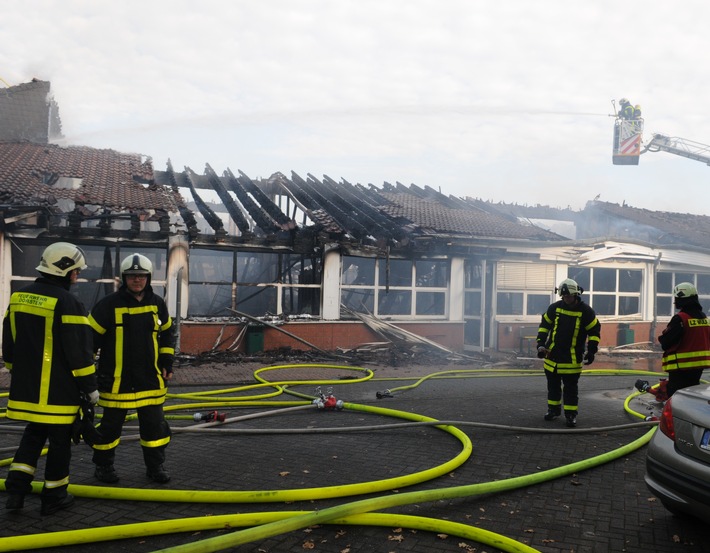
(629, 145)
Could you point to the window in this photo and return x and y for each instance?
(610, 291)
(666, 281)
(395, 287)
(256, 283)
(100, 276)
(524, 289)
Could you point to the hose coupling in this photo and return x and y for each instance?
(210, 417)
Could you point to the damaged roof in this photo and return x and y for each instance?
(397, 216)
(657, 227)
(40, 174)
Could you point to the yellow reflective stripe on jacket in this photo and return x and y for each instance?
(562, 368)
(577, 317)
(40, 306)
(93, 323)
(686, 360)
(91, 369)
(119, 313)
(14, 412)
(75, 320)
(49, 409)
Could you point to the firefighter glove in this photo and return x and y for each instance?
(165, 361)
(541, 352)
(76, 429)
(94, 397)
(589, 358)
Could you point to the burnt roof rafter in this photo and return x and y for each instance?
(344, 219)
(265, 202)
(259, 215)
(232, 208)
(349, 198)
(185, 213)
(210, 216)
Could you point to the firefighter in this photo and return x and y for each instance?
(637, 111)
(626, 110)
(565, 327)
(135, 338)
(46, 346)
(685, 340)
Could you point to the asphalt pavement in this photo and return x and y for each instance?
(515, 485)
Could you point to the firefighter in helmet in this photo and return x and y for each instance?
(564, 329)
(626, 110)
(46, 346)
(685, 340)
(136, 338)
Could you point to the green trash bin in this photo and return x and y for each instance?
(624, 335)
(255, 338)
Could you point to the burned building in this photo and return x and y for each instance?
(309, 253)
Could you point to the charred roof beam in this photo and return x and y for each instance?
(259, 215)
(371, 216)
(210, 216)
(345, 220)
(232, 208)
(265, 202)
(185, 213)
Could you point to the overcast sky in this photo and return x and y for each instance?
(505, 100)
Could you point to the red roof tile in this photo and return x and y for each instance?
(29, 174)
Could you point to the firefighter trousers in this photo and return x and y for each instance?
(154, 435)
(562, 389)
(56, 469)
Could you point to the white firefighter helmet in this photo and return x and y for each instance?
(136, 264)
(569, 287)
(60, 259)
(624, 101)
(684, 290)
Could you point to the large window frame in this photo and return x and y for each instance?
(523, 290)
(102, 274)
(612, 291)
(666, 280)
(226, 282)
(396, 288)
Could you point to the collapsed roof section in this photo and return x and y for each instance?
(65, 191)
(87, 190)
(355, 216)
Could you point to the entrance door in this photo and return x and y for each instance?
(475, 304)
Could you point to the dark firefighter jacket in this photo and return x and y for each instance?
(46, 346)
(686, 341)
(136, 341)
(564, 329)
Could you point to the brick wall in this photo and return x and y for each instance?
(202, 337)
(613, 334)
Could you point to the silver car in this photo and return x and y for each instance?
(678, 456)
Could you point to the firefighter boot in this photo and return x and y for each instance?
(571, 419)
(106, 474)
(51, 507)
(15, 502)
(158, 474)
(552, 413)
